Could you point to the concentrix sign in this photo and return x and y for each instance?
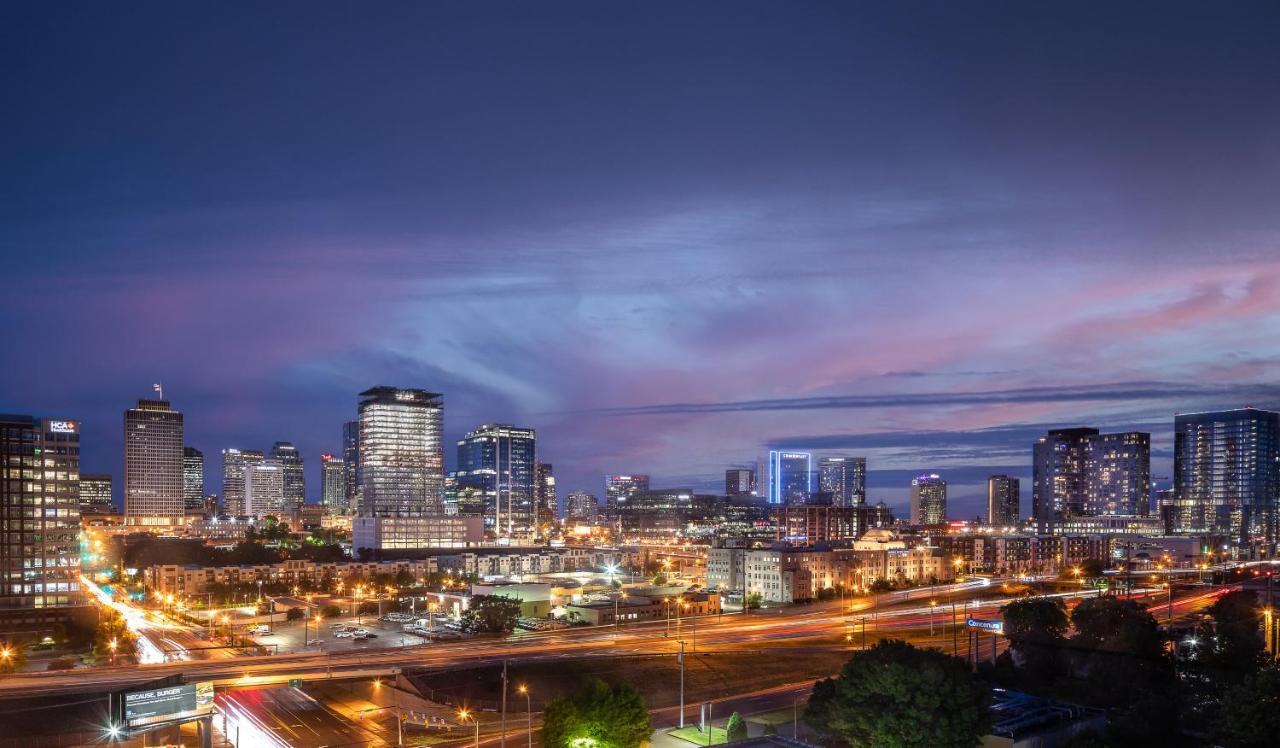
(995, 627)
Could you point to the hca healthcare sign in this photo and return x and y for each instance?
(169, 703)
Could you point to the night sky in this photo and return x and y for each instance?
(668, 236)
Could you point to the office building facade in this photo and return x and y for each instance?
(545, 505)
(333, 484)
(95, 494)
(739, 482)
(351, 462)
(295, 482)
(153, 490)
(928, 499)
(845, 478)
(581, 507)
(790, 477)
(1079, 472)
(264, 490)
(618, 489)
(39, 524)
(1226, 467)
(235, 464)
(498, 462)
(192, 479)
(1003, 501)
(401, 452)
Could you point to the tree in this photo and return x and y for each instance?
(753, 601)
(881, 586)
(492, 614)
(736, 729)
(1036, 628)
(609, 716)
(1237, 644)
(111, 629)
(1092, 568)
(1113, 625)
(331, 611)
(897, 695)
(295, 614)
(1250, 714)
(1119, 653)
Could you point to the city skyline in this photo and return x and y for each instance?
(908, 234)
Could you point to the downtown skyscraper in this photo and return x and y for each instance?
(545, 506)
(1003, 501)
(790, 477)
(95, 494)
(928, 499)
(351, 462)
(497, 461)
(618, 490)
(739, 482)
(401, 452)
(333, 484)
(1079, 472)
(192, 479)
(39, 524)
(153, 492)
(235, 464)
(845, 478)
(295, 484)
(1226, 474)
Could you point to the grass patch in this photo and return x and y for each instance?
(775, 718)
(692, 734)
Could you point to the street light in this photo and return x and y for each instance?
(112, 646)
(464, 715)
(528, 712)
(933, 608)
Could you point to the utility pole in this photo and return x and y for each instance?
(681, 656)
(504, 704)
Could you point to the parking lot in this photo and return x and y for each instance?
(353, 632)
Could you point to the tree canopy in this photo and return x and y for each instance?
(598, 715)
(1035, 619)
(1250, 716)
(895, 695)
(492, 614)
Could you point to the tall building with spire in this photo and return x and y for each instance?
(153, 491)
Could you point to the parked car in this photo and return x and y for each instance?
(344, 635)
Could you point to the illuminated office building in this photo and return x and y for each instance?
(192, 479)
(401, 452)
(581, 507)
(295, 483)
(497, 460)
(264, 489)
(845, 478)
(739, 482)
(351, 462)
(39, 524)
(790, 477)
(618, 489)
(1079, 472)
(153, 493)
(1003, 497)
(95, 494)
(235, 463)
(928, 499)
(333, 484)
(544, 495)
(1226, 474)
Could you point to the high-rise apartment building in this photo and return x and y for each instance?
(790, 477)
(235, 463)
(333, 484)
(845, 478)
(95, 494)
(351, 463)
(1003, 497)
(39, 524)
(544, 496)
(497, 460)
(1079, 472)
(928, 499)
(264, 490)
(192, 479)
(401, 452)
(580, 506)
(153, 464)
(1226, 474)
(618, 489)
(295, 483)
(739, 482)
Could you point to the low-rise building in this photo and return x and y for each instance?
(520, 562)
(192, 580)
(633, 609)
(416, 532)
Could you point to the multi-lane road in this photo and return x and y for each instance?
(833, 624)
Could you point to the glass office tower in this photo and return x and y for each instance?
(845, 478)
(401, 452)
(790, 481)
(497, 461)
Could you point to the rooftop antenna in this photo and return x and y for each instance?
(159, 388)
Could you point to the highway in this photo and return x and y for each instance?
(286, 718)
(830, 624)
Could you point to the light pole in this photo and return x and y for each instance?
(933, 608)
(464, 715)
(528, 713)
(681, 656)
(110, 645)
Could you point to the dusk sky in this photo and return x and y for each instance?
(667, 236)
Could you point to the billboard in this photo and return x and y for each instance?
(995, 627)
(168, 703)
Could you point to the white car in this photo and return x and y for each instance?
(362, 632)
(344, 634)
(313, 642)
